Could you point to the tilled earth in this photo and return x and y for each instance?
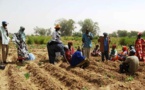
(40, 75)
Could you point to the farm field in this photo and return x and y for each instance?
(40, 75)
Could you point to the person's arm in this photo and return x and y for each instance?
(53, 35)
(83, 38)
(90, 36)
(127, 60)
(62, 51)
(64, 56)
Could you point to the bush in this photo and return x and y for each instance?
(127, 41)
(30, 41)
(38, 39)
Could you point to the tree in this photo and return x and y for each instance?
(89, 24)
(67, 26)
(113, 34)
(132, 33)
(42, 31)
(143, 33)
(122, 33)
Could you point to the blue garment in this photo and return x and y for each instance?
(77, 58)
(87, 40)
(105, 44)
(31, 56)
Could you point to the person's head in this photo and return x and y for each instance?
(70, 44)
(4, 23)
(124, 48)
(105, 34)
(65, 47)
(139, 35)
(79, 48)
(22, 29)
(57, 27)
(87, 31)
(113, 46)
(131, 47)
(132, 52)
(97, 46)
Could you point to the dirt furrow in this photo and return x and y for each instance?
(111, 65)
(108, 73)
(68, 79)
(3, 80)
(16, 82)
(91, 77)
(40, 78)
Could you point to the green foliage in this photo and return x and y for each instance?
(67, 26)
(130, 78)
(38, 39)
(84, 88)
(127, 41)
(30, 41)
(114, 40)
(132, 34)
(18, 67)
(90, 25)
(77, 34)
(122, 33)
(113, 34)
(27, 75)
(42, 31)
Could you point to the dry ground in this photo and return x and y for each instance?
(40, 75)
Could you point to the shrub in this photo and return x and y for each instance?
(30, 41)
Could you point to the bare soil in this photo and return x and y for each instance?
(41, 75)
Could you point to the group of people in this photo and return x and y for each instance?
(56, 49)
(130, 56)
(80, 57)
(19, 39)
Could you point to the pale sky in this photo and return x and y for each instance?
(111, 15)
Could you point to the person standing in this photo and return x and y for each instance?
(104, 46)
(87, 43)
(55, 46)
(140, 47)
(56, 34)
(5, 40)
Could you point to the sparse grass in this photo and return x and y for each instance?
(84, 88)
(129, 78)
(27, 75)
(18, 67)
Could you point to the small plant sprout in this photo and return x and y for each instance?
(27, 75)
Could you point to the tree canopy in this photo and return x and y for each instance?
(42, 31)
(90, 25)
(67, 26)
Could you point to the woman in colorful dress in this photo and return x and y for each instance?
(140, 47)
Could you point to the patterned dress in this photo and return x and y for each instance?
(140, 49)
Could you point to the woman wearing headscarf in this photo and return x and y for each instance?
(70, 51)
(140, 47)
(113, 53)
(122, 56)
(22, 33)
